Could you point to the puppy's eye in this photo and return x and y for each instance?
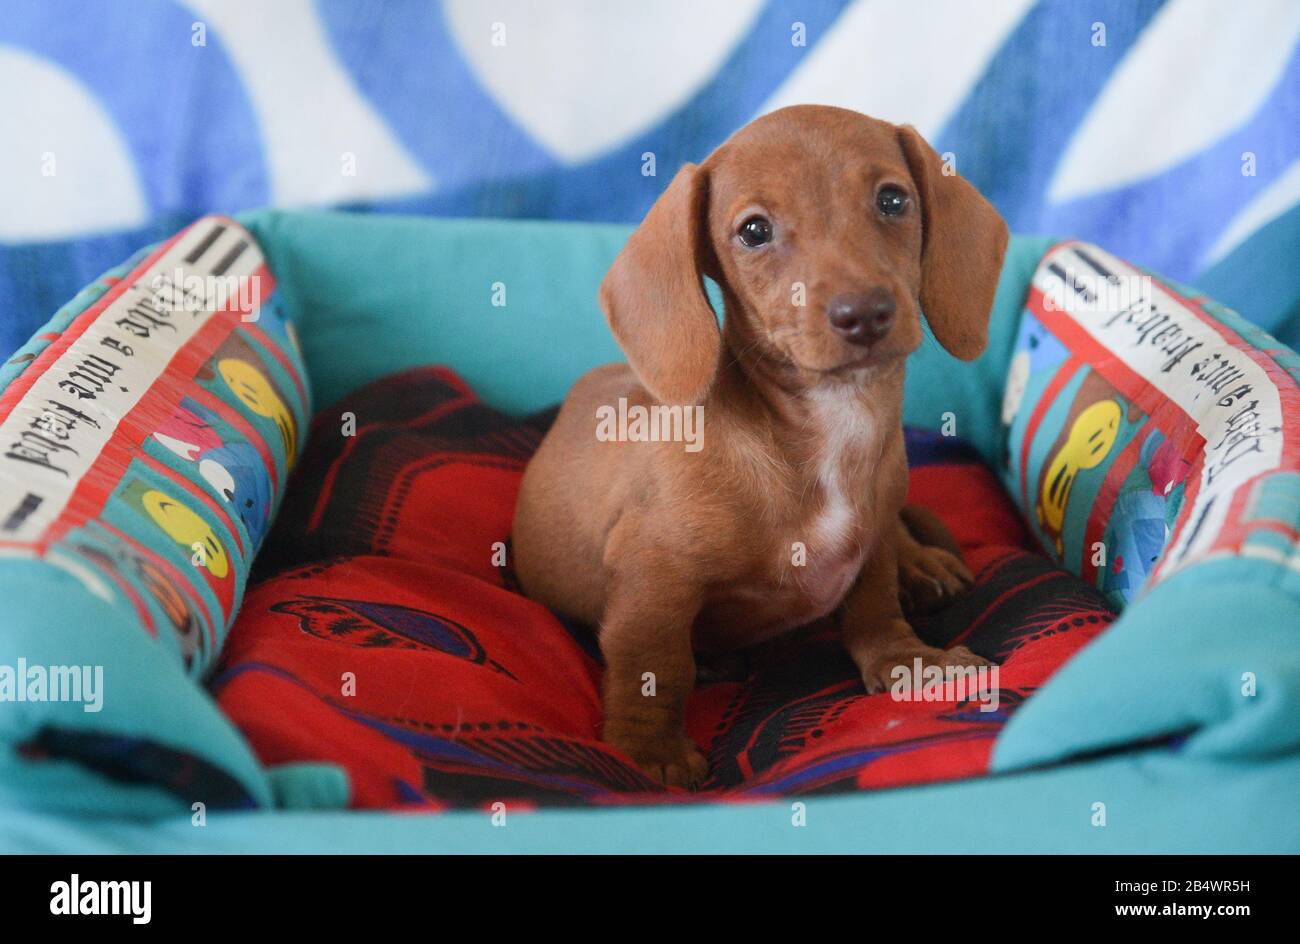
(891, 201)
(755, 231)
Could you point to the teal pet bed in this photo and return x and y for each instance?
(1147, 438)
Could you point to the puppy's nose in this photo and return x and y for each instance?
(862, 318)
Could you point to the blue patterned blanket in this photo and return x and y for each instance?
(1168, 132)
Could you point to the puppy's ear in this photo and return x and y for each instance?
(654, 295)
(964, 240)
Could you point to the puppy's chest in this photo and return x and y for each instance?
(835, 525)
(831, 541)
(839, 477)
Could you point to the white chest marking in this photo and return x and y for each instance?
(847, 433)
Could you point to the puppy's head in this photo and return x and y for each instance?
(829, 233)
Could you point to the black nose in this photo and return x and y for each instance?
(864, 317)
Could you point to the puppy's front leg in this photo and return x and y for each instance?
(649, 674)
(877, 636)
(929, 575)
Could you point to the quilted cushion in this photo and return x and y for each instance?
(1144, 417)
(388, 637)
(145, 439)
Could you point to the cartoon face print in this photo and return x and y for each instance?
(174, 605)
(255, 392)
(1088, 442)
(234, 469)
(1138, 531)
(237, 473)
(187, 433)
(1039, 355)
(1136, 541)
(182, 619)
(187, 529)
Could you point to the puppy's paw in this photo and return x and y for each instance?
(879, 676)
(672, 761)
(928, 577)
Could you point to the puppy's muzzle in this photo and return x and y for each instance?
(862, 318)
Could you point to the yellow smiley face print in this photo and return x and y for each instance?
(256, 393)
(186, 528)
(1090, 440)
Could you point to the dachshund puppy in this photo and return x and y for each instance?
(828, 233)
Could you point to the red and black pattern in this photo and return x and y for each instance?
(384, 636)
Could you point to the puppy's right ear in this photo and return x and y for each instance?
(653, 295)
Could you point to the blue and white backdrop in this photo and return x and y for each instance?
(1166, 130)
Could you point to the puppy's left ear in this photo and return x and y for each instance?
(964, 241)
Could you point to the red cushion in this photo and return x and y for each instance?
(383, 638)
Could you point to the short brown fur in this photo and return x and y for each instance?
(673, 552)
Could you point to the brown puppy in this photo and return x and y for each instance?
(828, 232)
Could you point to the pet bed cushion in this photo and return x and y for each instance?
(1208, 650)
(392, 642)
(146, 436)
(1152, 440)
(1143, 415)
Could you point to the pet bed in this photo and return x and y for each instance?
(1145, 445)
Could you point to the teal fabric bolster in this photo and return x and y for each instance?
(1152, 799)
(1182, 659)
(49, 619)
(375, 295)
